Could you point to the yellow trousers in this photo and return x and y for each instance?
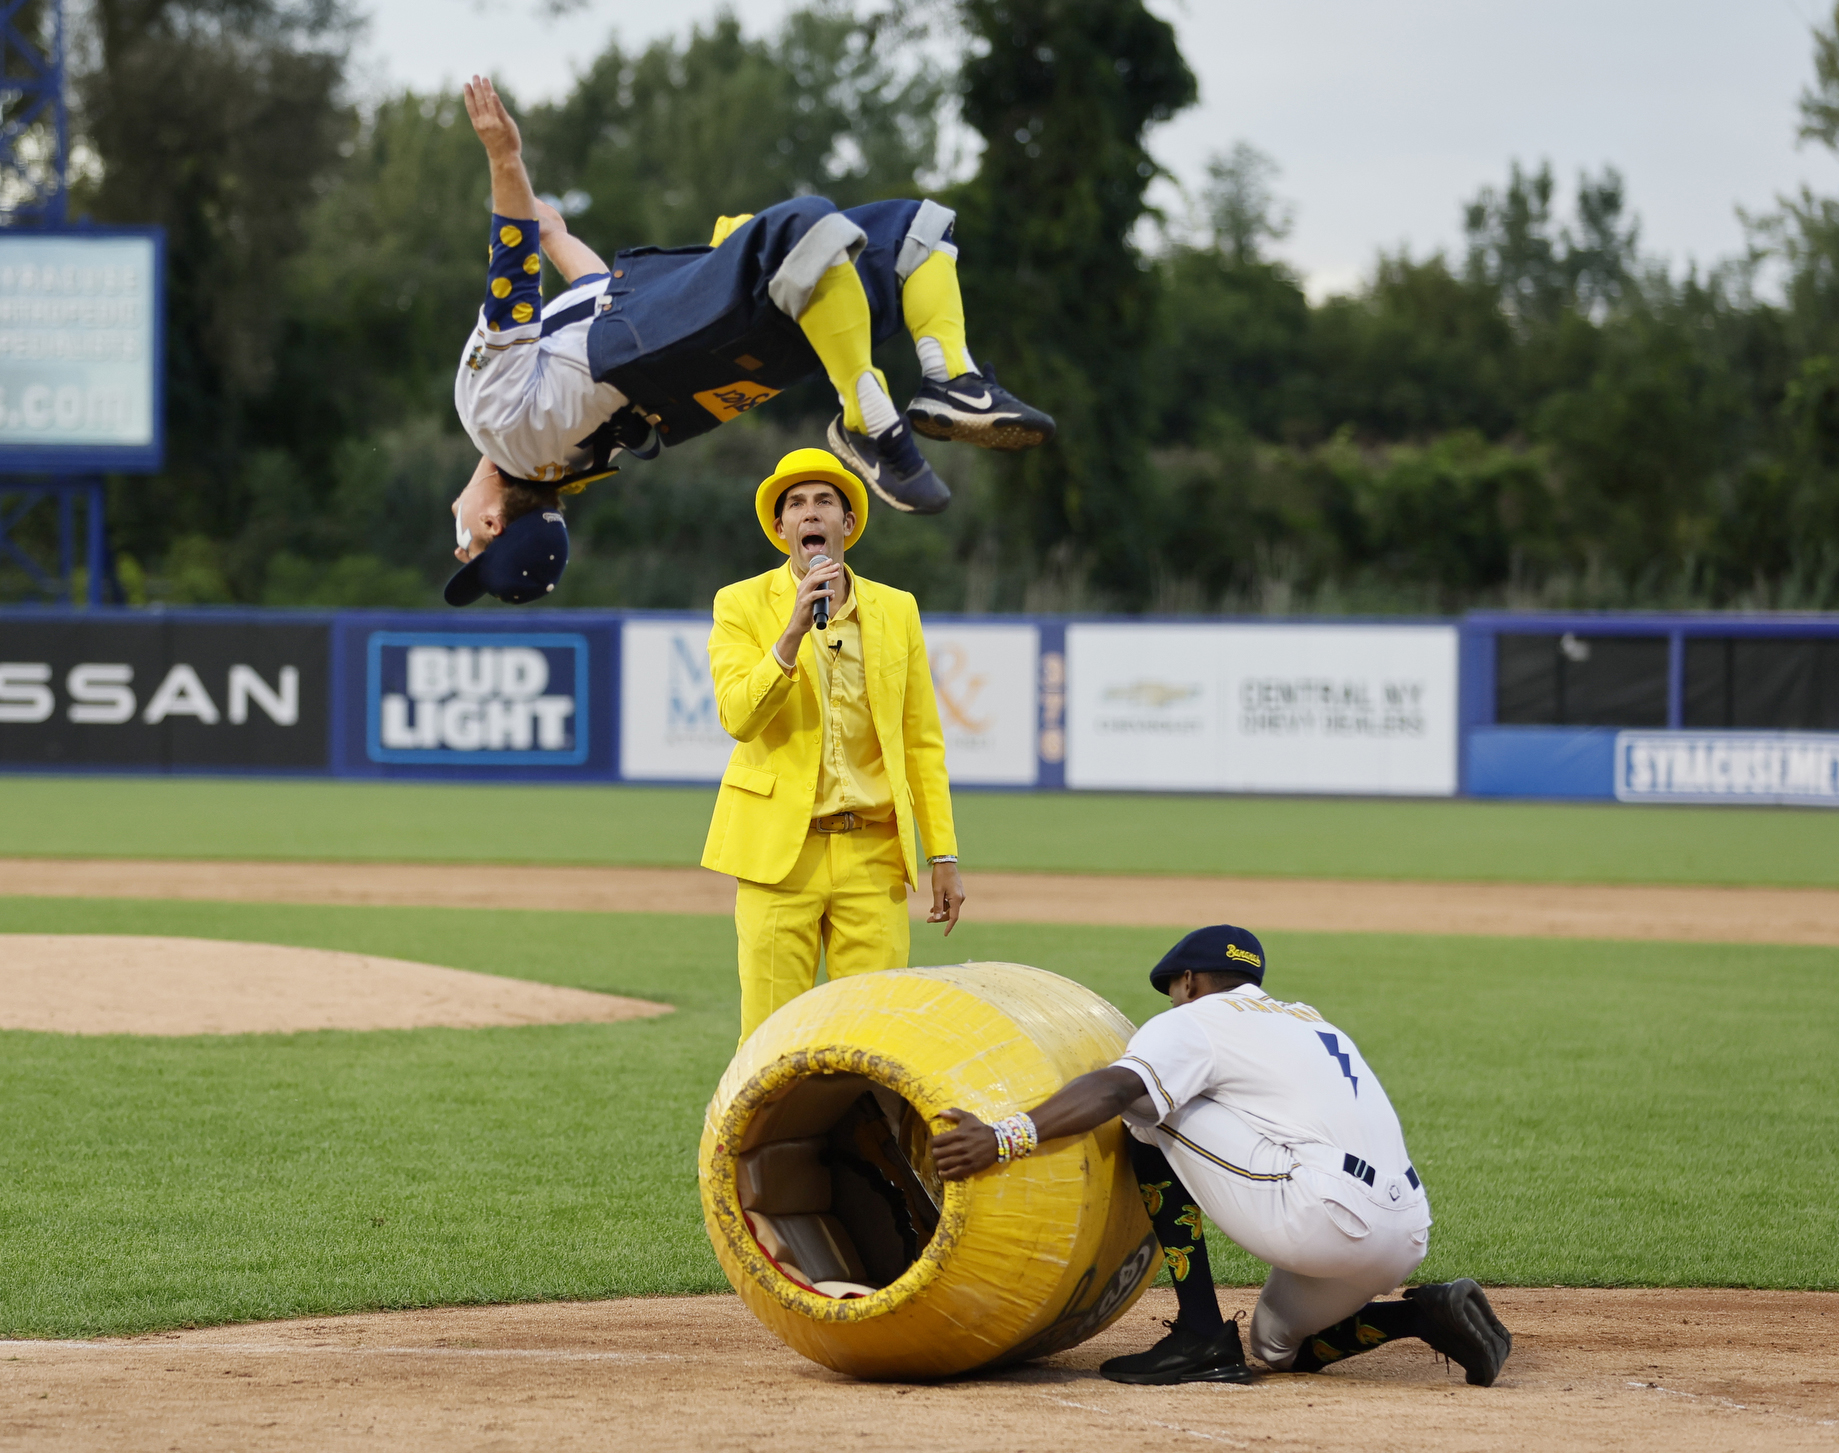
(846, 896)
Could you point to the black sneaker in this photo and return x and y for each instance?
(974, 409)
(890, 464)
(1184, 1356)
(1455, 1318)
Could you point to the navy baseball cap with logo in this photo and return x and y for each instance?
(1221, 949)
(523, 564)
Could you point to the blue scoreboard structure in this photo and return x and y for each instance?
(82, 327)
(81, 343)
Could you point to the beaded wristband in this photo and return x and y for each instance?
(1015, 1138)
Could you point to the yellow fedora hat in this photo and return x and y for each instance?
(799, 467)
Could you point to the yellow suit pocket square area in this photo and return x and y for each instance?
(749, 779)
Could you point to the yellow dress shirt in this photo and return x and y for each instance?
(851, 777)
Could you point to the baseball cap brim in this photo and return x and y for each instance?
(465, 587)
(523, 564)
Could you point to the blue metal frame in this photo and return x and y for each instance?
(39, 83)
(1480, 628)
(100, 586)
(1577, 761)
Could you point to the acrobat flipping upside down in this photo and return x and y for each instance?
(669, 342)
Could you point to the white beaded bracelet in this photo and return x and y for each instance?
(1016, 1137)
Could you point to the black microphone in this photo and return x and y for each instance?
(820, 605)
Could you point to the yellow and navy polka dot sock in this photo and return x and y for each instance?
(514, 287)
(1176, 1221)
(1372, 1326)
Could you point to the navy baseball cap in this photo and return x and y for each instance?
(523, 564)
(1221, 949)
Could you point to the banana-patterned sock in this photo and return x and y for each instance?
(1372, 1326)
(1177, 1224)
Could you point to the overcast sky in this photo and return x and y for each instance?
(1384, 115)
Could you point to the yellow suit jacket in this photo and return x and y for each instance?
(763, 809)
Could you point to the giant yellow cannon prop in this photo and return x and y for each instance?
(827, 1214)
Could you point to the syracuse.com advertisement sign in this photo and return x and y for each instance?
(984, 676)
(80, 350)
(1686, 766)
(1262, 708)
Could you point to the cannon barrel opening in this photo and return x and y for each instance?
(837, 1185)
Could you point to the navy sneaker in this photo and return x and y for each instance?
(975, 409)
(1184, 1356)
(890, 464)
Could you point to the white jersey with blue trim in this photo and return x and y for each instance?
(525, 394)
(1282, 1069)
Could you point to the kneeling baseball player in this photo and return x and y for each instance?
(1271, 1116)
(670, 342)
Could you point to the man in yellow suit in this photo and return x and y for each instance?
(839, 755)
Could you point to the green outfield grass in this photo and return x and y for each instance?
(1050, 832)
(1582, 1113)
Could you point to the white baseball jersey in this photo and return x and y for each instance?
(525, 394)
(1286, 1072)
(1277, 1126)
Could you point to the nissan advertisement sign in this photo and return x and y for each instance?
(155, 693)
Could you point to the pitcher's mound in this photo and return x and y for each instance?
(118, 984)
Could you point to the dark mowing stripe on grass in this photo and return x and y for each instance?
(1029, 831)
(1583, 1113)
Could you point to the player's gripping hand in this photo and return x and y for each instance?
(964, 1150)
(491, 121)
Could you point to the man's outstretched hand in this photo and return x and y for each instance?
(493, 123)
(504, 149)
(964, 1150)
(947, 896)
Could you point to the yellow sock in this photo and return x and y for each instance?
(836, 322)
(934, 308)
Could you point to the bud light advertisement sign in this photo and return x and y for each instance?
(517, 699)
(484, 702)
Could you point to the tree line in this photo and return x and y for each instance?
(1547, 416)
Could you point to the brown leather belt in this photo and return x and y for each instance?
(837, 822)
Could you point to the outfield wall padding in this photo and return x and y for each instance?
(1022, 1260)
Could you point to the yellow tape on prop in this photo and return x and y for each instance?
(1028, 1258)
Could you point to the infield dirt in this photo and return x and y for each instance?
(1691, 913)
(1591, 1369)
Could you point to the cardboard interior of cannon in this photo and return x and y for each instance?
(837, 1183)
